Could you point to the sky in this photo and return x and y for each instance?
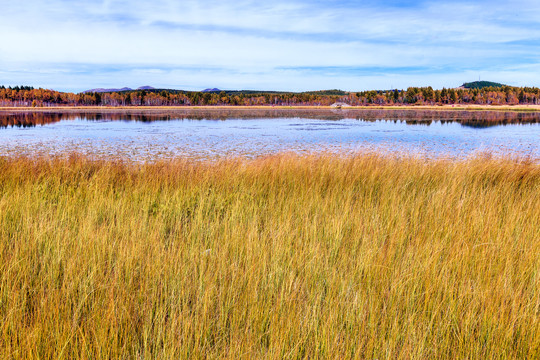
(292, 45)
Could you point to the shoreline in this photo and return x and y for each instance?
(507, 108)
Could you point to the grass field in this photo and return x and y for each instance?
(279, 257)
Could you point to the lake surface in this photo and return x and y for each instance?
(217, 133)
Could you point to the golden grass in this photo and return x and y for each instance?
(282, 257)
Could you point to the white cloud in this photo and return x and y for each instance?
(244, 43)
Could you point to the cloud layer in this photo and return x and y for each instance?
(278, 45)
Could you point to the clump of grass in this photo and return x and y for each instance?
(279, 257)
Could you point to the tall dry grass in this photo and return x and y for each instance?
(282, 257)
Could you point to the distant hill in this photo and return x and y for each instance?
(481, 84)
(273, 92)
(333, 92)
(102, 90)
(327, 92)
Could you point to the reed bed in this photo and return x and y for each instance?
(284, 257)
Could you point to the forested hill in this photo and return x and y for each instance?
(482, 84)
(491, 95)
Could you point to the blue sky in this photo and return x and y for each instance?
(294, 45)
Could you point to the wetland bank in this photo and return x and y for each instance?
(313, 253)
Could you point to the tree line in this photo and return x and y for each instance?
(505, 95)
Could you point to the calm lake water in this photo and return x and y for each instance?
(209, 134)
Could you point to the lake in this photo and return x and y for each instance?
(215, 133)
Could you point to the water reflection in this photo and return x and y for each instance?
(210, 133)
(475, 119)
